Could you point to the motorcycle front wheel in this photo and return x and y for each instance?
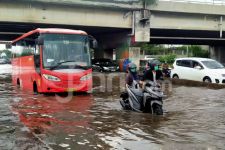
(157, 109)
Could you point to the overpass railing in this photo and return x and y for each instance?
(209, 2)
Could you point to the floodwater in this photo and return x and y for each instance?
(193, 119)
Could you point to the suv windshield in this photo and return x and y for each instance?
(64, 51)
(104, 62)
(107, 63)
(213, 64)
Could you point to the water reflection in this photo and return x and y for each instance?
(53, 121)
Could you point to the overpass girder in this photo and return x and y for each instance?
(62, 14)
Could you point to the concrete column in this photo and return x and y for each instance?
(218, 53)
(212, 52)
(108, 53)
(109, 42)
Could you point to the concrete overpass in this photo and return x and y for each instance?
(167, 19)
(112, 20)
(103, 19)
(17, 17)
(176, 22)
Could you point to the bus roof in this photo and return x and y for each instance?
(50, 30)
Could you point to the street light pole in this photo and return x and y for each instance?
(221, 26)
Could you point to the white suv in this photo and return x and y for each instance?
(198, 69)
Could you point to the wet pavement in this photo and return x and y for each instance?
(193, 119)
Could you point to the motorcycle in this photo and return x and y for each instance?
(147, 100)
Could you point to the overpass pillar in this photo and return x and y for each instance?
(218, 53)
(118, 45)
(110, 43)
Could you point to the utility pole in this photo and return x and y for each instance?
(221, 26)
(187, 51)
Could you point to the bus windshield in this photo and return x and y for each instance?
(66, 51)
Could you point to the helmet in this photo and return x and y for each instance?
(132, 68)
(154, 64)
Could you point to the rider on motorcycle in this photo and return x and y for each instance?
(153, 72)
(132, 74)
(140, 97)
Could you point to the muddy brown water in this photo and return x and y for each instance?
(193, 119)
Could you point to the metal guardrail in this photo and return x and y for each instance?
(209, 2)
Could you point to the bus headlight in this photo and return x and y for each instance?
(86, 77)
(51, 78)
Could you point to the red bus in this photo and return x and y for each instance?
(52, 60)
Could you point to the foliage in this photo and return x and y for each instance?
(168, 55)
(167, 58)
(152, 49)
(197, 51)
(194, 50)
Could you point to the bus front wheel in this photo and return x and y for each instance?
(18, 83)
(35, 89)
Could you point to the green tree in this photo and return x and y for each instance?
(151, 49)
(167, 58)
(197, 51)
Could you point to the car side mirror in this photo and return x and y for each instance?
(198, 67)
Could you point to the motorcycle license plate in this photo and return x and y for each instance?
(70, 89)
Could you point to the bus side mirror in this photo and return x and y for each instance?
(93, 42)
(37, 63)
(40, 40)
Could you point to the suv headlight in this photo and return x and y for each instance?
(106, 68)
(51, 78)
(86, 77)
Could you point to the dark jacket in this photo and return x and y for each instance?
(130, 77)
(148, 75)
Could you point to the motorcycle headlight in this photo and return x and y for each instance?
(51, 78)
(86, 77)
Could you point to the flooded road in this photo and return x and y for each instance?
(193, 119)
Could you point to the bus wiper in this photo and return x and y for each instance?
(81, 67)
(60, 63)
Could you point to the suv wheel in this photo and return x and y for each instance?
(207, 80)
(175, 76)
